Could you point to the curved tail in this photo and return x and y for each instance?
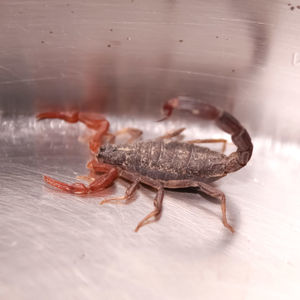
(224, 121)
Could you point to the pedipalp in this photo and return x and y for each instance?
(100, 183)
(92, 121)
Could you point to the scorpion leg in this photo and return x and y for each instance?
(206, 189)
(129, 192)
(133, 178)
(100, 182)
(134, 134)
(215, 193)
(171, 134)
(158, 200)
(93, 121)
(208, 141)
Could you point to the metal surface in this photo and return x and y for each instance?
(125, 59)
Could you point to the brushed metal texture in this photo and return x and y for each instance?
(123, 59)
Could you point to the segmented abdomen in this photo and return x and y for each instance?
(174, 161)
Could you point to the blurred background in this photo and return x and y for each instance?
(99, 55)
(124, 59)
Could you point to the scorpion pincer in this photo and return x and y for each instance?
(170, 164)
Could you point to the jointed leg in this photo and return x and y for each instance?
(171, 134)
(156, 212)
(204, 141)
(134, 134)
(213, 192)
(206, 189)
(129, 192)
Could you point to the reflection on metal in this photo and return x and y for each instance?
(296, 59)
(124, 59)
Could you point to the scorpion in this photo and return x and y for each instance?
(162, 163)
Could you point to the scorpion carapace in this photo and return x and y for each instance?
(162, 163)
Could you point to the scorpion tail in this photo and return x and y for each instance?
(224, 121)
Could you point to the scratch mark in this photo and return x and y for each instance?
(196, 24)
(25, 169)
(29, 80)
(198, 73)
(22, 28)
(242, 21)
(218, 76)
(157, 23)
(9, 71)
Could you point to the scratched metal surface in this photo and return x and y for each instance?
(124, 59)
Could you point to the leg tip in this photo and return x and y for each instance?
(138, 226)
(230, 228)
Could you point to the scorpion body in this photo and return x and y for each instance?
(166, 160)
(164, 164)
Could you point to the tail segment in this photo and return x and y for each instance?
(224, 121)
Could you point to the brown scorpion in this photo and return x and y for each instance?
(160, 163)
